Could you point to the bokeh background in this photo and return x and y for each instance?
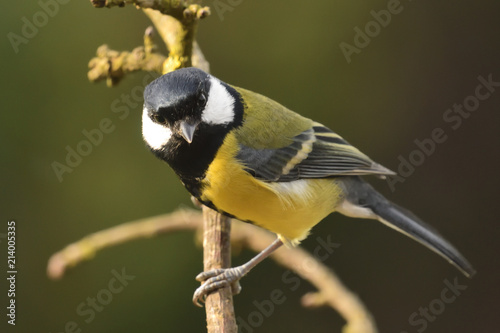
(394, 91)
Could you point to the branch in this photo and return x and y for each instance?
(217, 254)
(176, 21)
(113, 65)
(184, 50)
(185, 11)
(87, 247)
(331, 292)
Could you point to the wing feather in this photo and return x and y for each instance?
(317, 152)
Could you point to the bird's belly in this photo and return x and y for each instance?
(289, 209)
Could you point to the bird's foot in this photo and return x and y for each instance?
(216, 279)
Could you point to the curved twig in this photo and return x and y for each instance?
(87, 247)
(331, 291)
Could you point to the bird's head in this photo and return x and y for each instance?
(183, 105)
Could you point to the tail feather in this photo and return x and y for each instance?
(364, 201)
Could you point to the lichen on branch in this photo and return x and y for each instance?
(185, 11)
(176, 22)
(113, 65)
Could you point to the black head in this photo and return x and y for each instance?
(176, 101)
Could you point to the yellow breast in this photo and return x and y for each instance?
(289, 209)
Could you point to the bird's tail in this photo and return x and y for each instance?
(361, 200)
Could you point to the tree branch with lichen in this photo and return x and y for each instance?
(184, 11)
(176, 22)
(113, 65)
(184, 50)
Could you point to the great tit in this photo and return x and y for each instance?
(251, 158)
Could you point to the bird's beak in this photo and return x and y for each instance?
(187, 130)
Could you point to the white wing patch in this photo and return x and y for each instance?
(219, 108)
(155, 135)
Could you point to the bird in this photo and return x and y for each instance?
(250, 158)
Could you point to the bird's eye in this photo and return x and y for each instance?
(158, 118)
(202, 99)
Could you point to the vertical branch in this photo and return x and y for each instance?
(179, 36)
(217, 254)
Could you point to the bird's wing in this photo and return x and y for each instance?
(316, 152)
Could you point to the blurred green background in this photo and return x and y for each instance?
(394, 91)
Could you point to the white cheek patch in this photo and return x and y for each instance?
(219, 108)
(155, 135)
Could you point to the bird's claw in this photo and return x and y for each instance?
(216, 279)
